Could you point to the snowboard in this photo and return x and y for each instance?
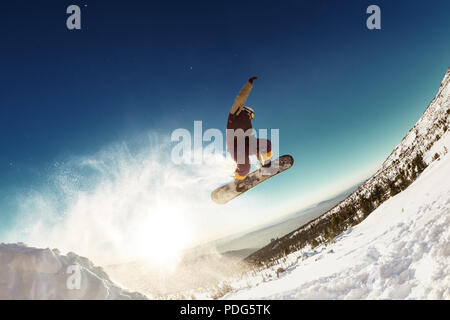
(235, 188)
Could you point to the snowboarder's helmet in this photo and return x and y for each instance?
(250, 112)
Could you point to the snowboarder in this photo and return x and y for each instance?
(241, 142)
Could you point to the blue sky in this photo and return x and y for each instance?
(342, 96)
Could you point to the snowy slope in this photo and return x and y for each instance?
(31, 273)
(401, 251)
(431, 126)
(421, 139)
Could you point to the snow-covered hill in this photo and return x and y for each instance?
(422, 140)
(32, 273)
(400, 251)
(431, 126)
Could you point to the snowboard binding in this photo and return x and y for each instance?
(244, 185)
(241, 185)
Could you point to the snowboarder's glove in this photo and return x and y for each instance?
(251, 79)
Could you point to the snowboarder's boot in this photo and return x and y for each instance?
(265, 160)
(266, 164)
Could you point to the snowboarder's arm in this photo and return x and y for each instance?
(242, 97)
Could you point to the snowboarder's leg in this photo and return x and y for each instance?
(242, 171)
(240, 176)
(264, 152)
(243, 167)
(242, 160)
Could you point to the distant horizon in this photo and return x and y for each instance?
(279, 220)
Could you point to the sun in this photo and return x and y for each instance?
(163, 234)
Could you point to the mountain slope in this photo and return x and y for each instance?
(402, 167)
(42, 274)
(400, 251)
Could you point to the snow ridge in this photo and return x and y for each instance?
(400, 251)
(42, 274)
